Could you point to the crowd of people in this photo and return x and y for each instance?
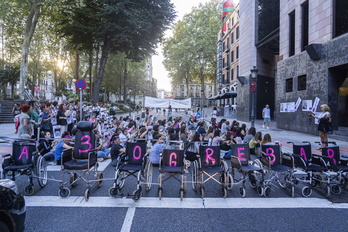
(113, 132)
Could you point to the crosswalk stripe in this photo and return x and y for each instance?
(193, 203)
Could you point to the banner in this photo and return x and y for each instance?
(164, 103)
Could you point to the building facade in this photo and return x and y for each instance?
(313, 63)
(228, 60)
(259, 48)
(193, 91)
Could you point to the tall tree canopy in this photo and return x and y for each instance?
(190, 54)
(133, 27)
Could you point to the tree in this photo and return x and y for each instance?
(191, 53)
(30, 25)
(133, 27)
(9, 75)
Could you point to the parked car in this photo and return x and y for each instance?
(12, 207)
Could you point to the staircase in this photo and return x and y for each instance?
(6, 115)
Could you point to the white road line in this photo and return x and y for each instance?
(127, 223)
(192, 203)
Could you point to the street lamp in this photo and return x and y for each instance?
(253, 88)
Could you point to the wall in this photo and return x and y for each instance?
(333, 54)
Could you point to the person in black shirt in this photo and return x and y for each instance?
(116, 150)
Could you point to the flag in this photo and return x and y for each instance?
(227, 7)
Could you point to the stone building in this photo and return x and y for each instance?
(228, 62)
(313, 63)
(193, 91)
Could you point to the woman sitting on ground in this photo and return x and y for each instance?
(250, 135)
(255, 142)
(267, 140)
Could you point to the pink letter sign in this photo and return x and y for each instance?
(24, 152)
(172, 163)
(137, 155)
(88, 142)
(270, 153)
(303, 153)
(240, 154)
(331, 154)
(208, 156)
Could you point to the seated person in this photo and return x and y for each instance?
(200, 128)
(156, 150)
(62, 146)
(217, 139)
(193, 147)
(45, 146)
(255, 142)
(267, 140)
(103, 149)
(238, 137)
(116, 150)
(226, 145)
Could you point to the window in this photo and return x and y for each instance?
(288, 85)
(292, 33)
(232, 74)
(340, 17)
(232, 37)
(302, 82)
(237, 52)
(237, 33)
(237, 70)
(305, 25)
(232, 56)
(228, 77)
(232, 21)
(268, 17)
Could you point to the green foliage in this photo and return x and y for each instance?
(9, 75)
(190, 54)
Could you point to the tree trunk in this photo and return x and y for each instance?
(90, 70)
(77, 68)
(202, 87)
(99, 77)
(30, 26)
(124, 81)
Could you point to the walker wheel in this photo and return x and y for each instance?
(29, 190)
(64, 192)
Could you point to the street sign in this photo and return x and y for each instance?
(198, 115)
(253, 86)
(80, 84)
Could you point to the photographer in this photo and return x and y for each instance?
(325, 125)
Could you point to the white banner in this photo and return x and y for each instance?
(164, 103)
(184, 103)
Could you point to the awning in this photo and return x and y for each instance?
(230, 94)
(216, 97)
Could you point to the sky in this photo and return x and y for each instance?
(182, 7)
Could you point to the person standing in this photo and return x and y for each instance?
(325, 125)
(266, 115)
(24, 126)
(16, 110)
(62, 118)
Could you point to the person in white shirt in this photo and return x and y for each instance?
(266, 114)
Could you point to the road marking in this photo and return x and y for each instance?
(191, 203)
(127, 223)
